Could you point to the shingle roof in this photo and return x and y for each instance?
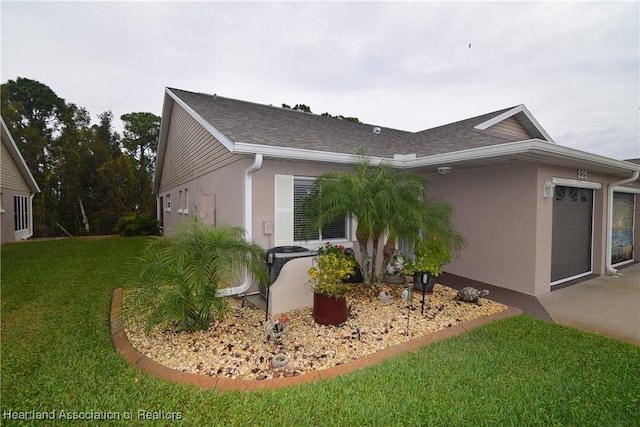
(247, 122)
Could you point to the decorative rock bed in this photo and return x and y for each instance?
(238, 347)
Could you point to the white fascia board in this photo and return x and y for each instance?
(471, 154)
(302, 154)
(519, 109)
(515, 148)
(18, 159)
(204, 123)
(167, 108)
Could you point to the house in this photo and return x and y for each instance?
(535, 214)
(17, 188)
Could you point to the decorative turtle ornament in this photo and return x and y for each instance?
(470, 294)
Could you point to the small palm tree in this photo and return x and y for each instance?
(383, 201)
(182, 272)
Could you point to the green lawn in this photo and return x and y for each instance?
(57, 356)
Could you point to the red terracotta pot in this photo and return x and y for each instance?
(329, 310)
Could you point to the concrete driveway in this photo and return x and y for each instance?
(607, 305)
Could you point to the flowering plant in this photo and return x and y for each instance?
(331, 267)
(396, 264)
(430, 255)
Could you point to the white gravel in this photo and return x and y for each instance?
(238, 347)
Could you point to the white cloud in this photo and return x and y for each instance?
(399, 64)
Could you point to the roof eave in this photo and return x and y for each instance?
(512, 112)
(18, 159)
(515, 149)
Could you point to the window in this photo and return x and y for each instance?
(20, 213)
(168, 201)
(290, 224)
(180, 202)
(302, 229)
(185, 210)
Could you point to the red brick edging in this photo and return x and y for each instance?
(145, 364)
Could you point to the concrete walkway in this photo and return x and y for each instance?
(607, 305)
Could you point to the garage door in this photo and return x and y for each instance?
(571, 233)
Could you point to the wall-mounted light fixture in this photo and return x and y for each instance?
(443, 170)
(547, 189)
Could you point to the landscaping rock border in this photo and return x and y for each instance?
(140, 361)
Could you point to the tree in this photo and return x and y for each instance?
(141, 135)
(383, 201)
(182, 272)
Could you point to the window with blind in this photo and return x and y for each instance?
(303, 188)
(291, 225)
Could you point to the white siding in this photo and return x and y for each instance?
(511, 127)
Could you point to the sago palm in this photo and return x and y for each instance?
(181, 274)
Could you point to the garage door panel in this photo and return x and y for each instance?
(572, 233)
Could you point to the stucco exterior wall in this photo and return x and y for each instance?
(508, 223)
(216, 197)
(264, 191)
(495, 209)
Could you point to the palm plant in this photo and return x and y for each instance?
(182, 272)
(383, 201)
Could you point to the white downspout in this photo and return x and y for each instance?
(608, 268)
(248, 220)
(30, 216)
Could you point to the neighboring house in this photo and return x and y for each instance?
(534, 213)
(17, 188)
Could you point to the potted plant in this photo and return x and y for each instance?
(331, 267)
(430, 256)
(394, 272)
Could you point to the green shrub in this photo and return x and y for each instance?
(137, 224)
(181, 274)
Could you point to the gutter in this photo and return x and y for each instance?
(248, 217)
(608, 268)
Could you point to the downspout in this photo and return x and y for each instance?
(608, 268)
(248, 218)
(30, 216)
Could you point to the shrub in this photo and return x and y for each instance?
(182, 272)
(137, 224)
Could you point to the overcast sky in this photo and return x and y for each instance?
(405, 65)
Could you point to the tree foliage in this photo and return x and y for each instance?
(141, 134)
(75, 163)
(383, 201)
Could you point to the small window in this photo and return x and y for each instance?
(180, 202)
(168, 203)
(185, 210)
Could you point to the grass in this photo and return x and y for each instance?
(57, 355)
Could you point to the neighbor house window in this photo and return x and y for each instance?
(180, 202)
(20, 213)
(168, 202)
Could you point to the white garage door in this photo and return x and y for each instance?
(571, 246)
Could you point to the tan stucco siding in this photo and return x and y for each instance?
(264, 191)
(11, 176)
(511, 127)
(191, 151)
(495, 209)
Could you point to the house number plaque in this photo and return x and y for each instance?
(582, 174)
